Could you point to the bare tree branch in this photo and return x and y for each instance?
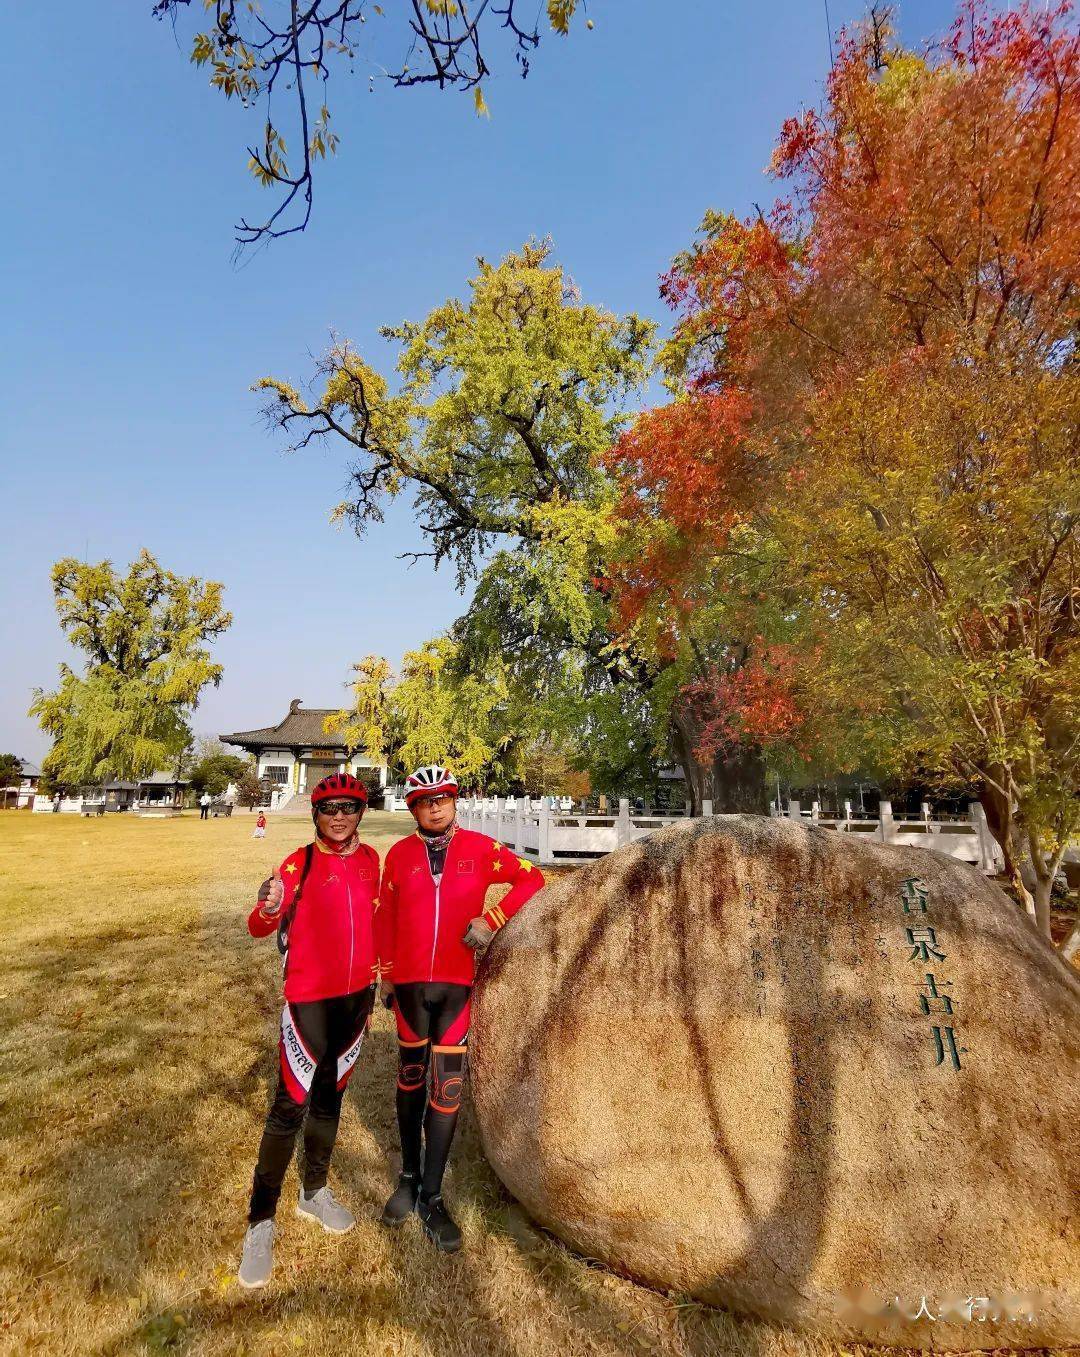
(251, 53)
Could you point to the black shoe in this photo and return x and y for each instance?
(401, 1205)
(438, 1223)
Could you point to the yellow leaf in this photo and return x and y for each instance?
(482, 110)
(560, 13)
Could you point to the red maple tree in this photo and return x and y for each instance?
(929, 243)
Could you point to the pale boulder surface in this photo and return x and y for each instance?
(714, 1061)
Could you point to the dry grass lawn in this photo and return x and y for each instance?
(138, 1023)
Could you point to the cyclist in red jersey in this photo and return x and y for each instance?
(321, 903)
(429, 924)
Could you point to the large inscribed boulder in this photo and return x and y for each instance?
(796, 1074)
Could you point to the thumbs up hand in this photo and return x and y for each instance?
(272, 893)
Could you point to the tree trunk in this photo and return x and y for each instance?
(698, 778)
(1030, 871)
(734, 782)
(739, 783)
(1002, 824)
(1046, 869)
(1043, 889)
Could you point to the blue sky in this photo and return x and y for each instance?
(130, 339)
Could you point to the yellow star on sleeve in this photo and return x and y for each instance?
(496, 866)
(291, 868)
(525, 864)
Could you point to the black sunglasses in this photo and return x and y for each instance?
(340, 807)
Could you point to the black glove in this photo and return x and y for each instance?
(478, 934)
(272, 893)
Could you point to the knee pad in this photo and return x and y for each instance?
(447, 1077)
(412, 1065)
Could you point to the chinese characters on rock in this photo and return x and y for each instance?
(927, 949)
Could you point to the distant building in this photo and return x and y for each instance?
(161, 794)
(28, 783)
(297, 752)
(114, 796)
(21, 790)
(158, 794)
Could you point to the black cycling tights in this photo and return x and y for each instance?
(320, 1042)
(433, 1028)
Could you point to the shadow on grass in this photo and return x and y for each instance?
(148, 1058)
(121, 1064)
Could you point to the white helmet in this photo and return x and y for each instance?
(429, 781)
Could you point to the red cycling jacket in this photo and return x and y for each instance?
(331, 943)
(419, 923)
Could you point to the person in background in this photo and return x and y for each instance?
(430, 923)
(260, 826)
(321, 903)
(204, 805)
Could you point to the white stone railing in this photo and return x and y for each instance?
(966, 840)
(43, 805)
(541, 830)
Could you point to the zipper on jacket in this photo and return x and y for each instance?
(435, 934)
(437, 882)
(352, 926)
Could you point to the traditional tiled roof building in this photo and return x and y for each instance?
(297, 752)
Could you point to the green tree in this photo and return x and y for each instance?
(570, 678)
(50, 785)
(370, 723)
(214, 772)
(249, 789)
(505, 405)
(10, 770)
(434, 711)
(546, 771)
(145, 638)
(449, 716)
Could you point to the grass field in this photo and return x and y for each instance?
(138, 1023)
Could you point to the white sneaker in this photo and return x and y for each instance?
(257, 1259)
(324, 1207)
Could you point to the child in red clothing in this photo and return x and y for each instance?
(260, 827)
